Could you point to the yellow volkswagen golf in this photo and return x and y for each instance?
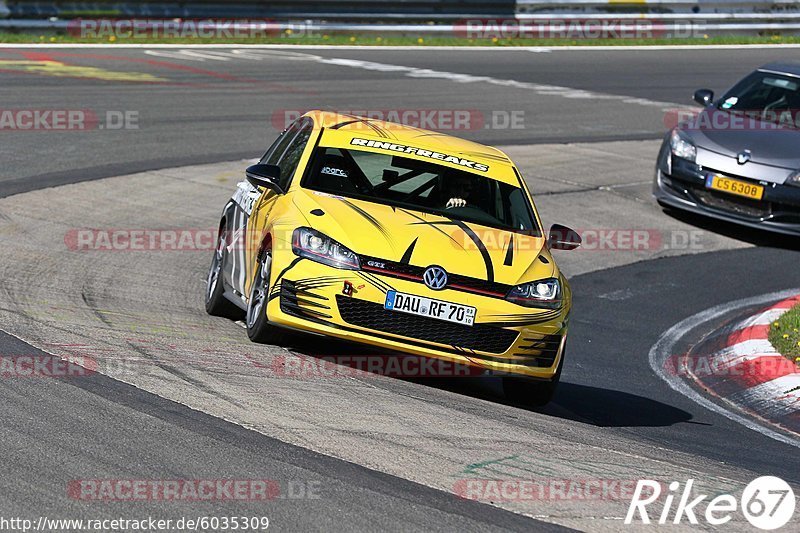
(400, 238)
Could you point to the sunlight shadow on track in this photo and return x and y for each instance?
(580, 403)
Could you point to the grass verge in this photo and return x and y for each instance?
(289, 38)
(784, 334)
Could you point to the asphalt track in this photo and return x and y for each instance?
(386, 453)
(222, 109)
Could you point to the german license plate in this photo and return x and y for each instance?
(732, 186)
(421, 306)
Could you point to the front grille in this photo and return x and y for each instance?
(414, 273)
(733, 204)
(373, 316)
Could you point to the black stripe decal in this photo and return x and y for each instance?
(377, 130)
(318, 279)
(287, 269)
(345, 123)
(516, 324)
(546, 314)
(385, 133)
(481, 247)
(406, 259)
(375, 282)
(433, 225)
(378, 281)
(366, 122)
(510, 252)
(371, 219)
(318, 284)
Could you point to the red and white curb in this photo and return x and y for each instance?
(749, 373)
(736, 373)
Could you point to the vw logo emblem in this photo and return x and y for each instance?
(435, 278)
(743, 157)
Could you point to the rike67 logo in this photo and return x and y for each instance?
(767, 502)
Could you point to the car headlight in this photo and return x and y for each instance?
(542, 293)
(316, 246)
(794, 179)
(681, 146)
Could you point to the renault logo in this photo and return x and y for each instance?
(435, 278)
(743, 157)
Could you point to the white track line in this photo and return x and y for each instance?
(538, 88)
(664, 348)
(421, 73)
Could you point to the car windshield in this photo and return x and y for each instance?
(765, 96)
(421, 186)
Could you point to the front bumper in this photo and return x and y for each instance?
(506, 338)
(681, 184)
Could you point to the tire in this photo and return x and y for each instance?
(216, 303)
(258, 327)
(532, 393)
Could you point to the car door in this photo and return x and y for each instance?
(286, 154)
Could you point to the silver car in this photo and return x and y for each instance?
(739, 158)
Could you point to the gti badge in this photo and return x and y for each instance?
(435, 278)
(743, 157)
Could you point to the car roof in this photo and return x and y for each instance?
(410, 135)
(791, 67)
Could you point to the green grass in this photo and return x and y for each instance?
(785, 334)
(372, 40)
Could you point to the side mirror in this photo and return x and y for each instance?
(265, 176)
(563, 238)
(704, 97)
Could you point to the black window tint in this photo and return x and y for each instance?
(277, 149)
(762, 92)
(419, 185)
(292, 154)
(272, 149)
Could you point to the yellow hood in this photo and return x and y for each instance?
(422, 239)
